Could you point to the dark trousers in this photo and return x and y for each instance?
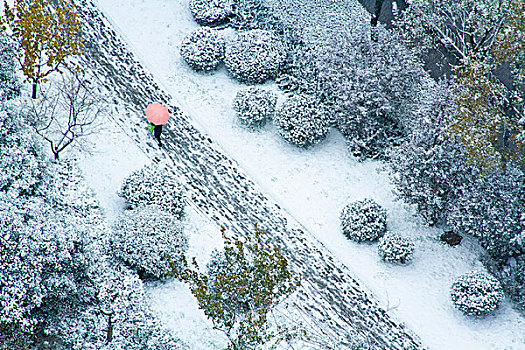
(157, 131)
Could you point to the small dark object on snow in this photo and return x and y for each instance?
(451, 238)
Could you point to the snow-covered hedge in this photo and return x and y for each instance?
(301, 121)
(363, 220)
(203, 49)
(394, 248)
(154, 185)
(145, 237)
(211, 12)
(254, 106)
(476, 293)
(254, 56)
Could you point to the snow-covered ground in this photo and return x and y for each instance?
(312, 185)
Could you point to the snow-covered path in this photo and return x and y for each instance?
(329, 297)
(313, 186)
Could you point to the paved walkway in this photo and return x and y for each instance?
(333, 301)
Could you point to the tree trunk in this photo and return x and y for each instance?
(35, 89)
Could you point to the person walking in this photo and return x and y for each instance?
(158, 116)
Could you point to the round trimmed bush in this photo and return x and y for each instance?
(363, 221)
(254, 106)
(394, 248)
(476, 293)
(211, 12)
(203, 49)
(144, 237)
(254, 56)
(301, 121)
(153, 185)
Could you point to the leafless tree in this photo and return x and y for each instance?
(68, 111)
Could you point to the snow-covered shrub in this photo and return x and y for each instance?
(154, 185)
(394, 248)
(9, 85)
(254, 56)
(429, 169)
(254, 106)
(476, 293)
(203, 49)
(211, 12)
(22, 162)
(492, 209)
(145, 237)
(301, 121)
(363, 220)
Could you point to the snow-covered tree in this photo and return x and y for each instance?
(477, 38)
(211, 12)
(68, 111)
(254, 106)
(45, 262)
(373, 88)
(203, 49)
(363, 221)
(154, 184)
(9, 85)
(464, 27)
(370, 88)
(492, 210)
(429, 168)
(22, 161)
(254, 56)
(146, 237)
(245, 282)
(118, 318)
(302, 121)
(476, 293)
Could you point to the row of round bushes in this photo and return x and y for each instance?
(299, 121)
(474, 293)
(148, 236)
(252, 57)
(365, 221)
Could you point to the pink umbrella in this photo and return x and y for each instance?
(157, 114)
